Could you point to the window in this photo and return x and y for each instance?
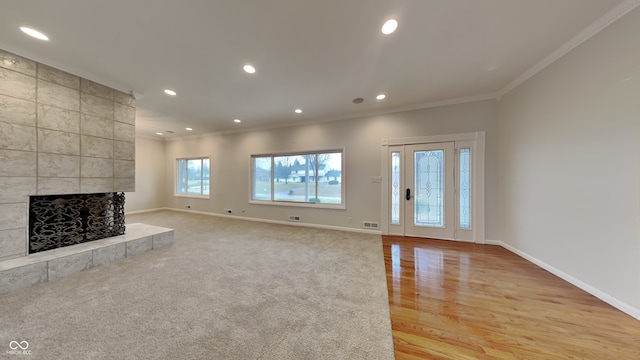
(465, 188)
(192, 177)
(395, 187)
(310, 178)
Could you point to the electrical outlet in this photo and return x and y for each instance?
(228, 211)
(294, 218)
(188, 207)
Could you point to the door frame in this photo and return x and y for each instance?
(474, 139)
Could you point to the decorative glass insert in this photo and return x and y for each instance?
(193, 176)
(429, 188)
(465, 188)
(395, 187)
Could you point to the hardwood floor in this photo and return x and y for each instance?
(452, 300)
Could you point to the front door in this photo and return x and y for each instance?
(429, 190)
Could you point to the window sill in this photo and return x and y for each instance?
(193, 196)
(299, 204)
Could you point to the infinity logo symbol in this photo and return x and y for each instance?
(23, 345)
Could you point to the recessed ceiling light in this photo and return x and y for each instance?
(389, 26)
(357, 100)
(298, 111)
(381, 97)
(237, 121)
(159, 133)
(188, 129)
(170, 92)
(35, 33)
(250, 69)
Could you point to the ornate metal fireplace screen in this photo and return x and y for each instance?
(61, 220)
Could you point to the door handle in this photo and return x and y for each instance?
(408, 194)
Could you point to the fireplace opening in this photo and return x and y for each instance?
(57, 221)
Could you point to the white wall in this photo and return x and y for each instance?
(569, 165)
(150, 176)
(361, 139)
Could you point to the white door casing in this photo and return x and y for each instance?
(462, 210)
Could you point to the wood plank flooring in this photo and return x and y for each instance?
(451, 300)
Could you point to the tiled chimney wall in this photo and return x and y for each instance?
(59, 134)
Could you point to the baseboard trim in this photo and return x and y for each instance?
(279, 222)
(143, 211)
(620, 305)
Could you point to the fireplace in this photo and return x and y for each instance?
(57, 221)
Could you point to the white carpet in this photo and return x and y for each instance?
(227, 289)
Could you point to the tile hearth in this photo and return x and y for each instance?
(46, 266)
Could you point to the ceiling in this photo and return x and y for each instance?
(313, 55)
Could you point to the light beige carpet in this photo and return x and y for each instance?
(226, 289)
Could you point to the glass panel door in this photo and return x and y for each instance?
(429, 193)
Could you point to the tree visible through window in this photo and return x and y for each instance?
(193, 176)
(314, 177)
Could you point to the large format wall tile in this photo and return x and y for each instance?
(50, 117)
(125, 185)
(125, 114)
(163, 239)
(58, 142)
(13, 242)
(18, 163)
(17, 137)
(94, 105)
(124, 132)
(124, 98)
(58, 77)
(17, 85)
(95, 185)
(22, 277)
(17, 63)
(58, 186)
(66, 265)
(17, 111)
(124, 150)
(97, 126)
(16, 189)
(109, 254)
(58, 96)
(13, 216)
(139, 246)
(124, 169)
(96, 168)
(96, 147)
(95, 89)
(55, 165)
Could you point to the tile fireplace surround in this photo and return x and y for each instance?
(49, 265)
(59, 134)
(62, 134)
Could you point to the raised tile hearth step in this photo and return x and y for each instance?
(29, 270)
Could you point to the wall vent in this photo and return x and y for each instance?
(370, 225)
(294, 218)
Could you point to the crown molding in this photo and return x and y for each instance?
(591, 30)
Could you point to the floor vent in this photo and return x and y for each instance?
(370, 225)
